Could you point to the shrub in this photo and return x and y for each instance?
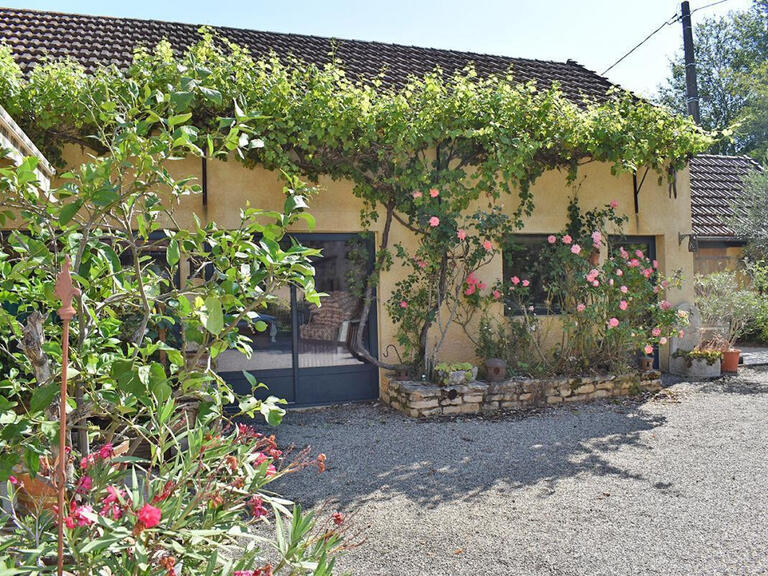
(727, 304)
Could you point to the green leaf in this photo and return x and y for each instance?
(211, 94)
(172, 252)
(178, 119)
(43, 396)
(181, 100)
(214, 319)
(158, 383)
(68, 212)
(272, 413)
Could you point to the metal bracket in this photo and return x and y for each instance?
(693, 242)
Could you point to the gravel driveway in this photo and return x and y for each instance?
(676, 484)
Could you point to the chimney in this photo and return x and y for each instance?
(691, 89)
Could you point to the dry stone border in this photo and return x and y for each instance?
(423, 400)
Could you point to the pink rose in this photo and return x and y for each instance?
(662, 340)
(481, 286)
(487, 246)
(580, 307)
(613, 322)
(619, 272)
(434, 221)
(526, 283)
(634, 263)
(471, 278)
(434, 192)
(551, 239)
(575, 248)
(461, 234)
(624, 253)
(656, 332)
(624, 289)
(567, 239)
(403, 304)
(614, 204)
(639, 253)
(515, 280)
(469, 290)
(623, 305)
(665, 305)
(149, 516)
(655, 264)
(648, 349)
(416, 194)
(596, 283)
(610, 282)
(496, 295)
(597, 238)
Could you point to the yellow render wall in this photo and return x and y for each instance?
(231, 186)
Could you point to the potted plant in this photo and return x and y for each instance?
(455, 373)
(493, 347)
(703, 361)
(728, 308)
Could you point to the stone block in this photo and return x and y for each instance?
(554, 400)
(585, 389)
(470, 408)
(452, 402)
(527, 397)
(598, 394)
(565, 391)
(512, 405)
(605, 385)
(473, 398)
(422, 404)
(451, 410)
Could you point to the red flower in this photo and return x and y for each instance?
(434, 192)
(338, 518)
(149, 516)
(256, 506)
(106, 451)
(168, 489)
(13, 480)
(84, 485)
(321, 463)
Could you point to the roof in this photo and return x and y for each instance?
(12, 138)
(99, 40)
(715, 181)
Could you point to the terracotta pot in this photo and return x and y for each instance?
(594, 257)
(35, 494)
(495, 369)
(731, 360)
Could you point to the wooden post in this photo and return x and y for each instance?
(66, 291)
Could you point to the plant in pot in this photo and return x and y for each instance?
(493, 347)
(728, 307)
(704, 361)
(455, 373)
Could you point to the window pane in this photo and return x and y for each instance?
(524, 256)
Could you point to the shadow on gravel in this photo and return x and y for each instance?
(375, 454)
(748, 382)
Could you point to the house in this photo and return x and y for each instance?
(17, 146)
(304, 356)
(715, 181)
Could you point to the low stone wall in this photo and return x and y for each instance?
(419, 399)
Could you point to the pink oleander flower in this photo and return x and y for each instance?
(623, 305)
(256, 506)
(461, 234)
(648, 349)
(551, 238)
(496, 295)
(575, 248)
(270, 471)
(416, 194)
(619, 272)
(487, 245)
(84, 485)
(655, 264)
(567, 239)
(614, 204)
(149, 516)
(515, 280)
(580, 307)
(656, 332)
(526, 283)
(662, 340)
(434, 221)
(597, 238)
(106, 451)
(434, 192)
(403, 304)
(665, 305)
(624, 289)
(13, 480)
(613, 322)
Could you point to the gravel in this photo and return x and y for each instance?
(675, 484)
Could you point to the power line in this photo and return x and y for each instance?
(673, 20)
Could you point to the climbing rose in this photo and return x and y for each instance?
(551, 239)
(461, 234)
(496, 295)
(526, 283)
(403, 304)
(648, 349)
(655, 264)
(580, 307)
(434, 221)
(634, 263)
(639, 253)
(515, 280)
(614, 204)
(481, 286)
(623, 305)
(595, 283)
(149, 516)
(487, 245)
(470, 290)
(567, 239)
(624, 253)
(662, 340)
(665, 305)
(613, 322)
(575, 248)
(434, 192)
(417, 194)
(624, 289)
(596, 238)
(619, 272)
(656, 332)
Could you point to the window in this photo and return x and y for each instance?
(524, 256)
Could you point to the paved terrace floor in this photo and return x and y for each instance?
(676, 485)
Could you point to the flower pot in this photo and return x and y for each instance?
(731, 360)
(495, 369)
(700, 368)
(645, 363)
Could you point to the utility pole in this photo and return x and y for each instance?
(691, 89)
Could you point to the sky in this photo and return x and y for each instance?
(595, 33)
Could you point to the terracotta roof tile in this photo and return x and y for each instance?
(715, 181)
(96, 40)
